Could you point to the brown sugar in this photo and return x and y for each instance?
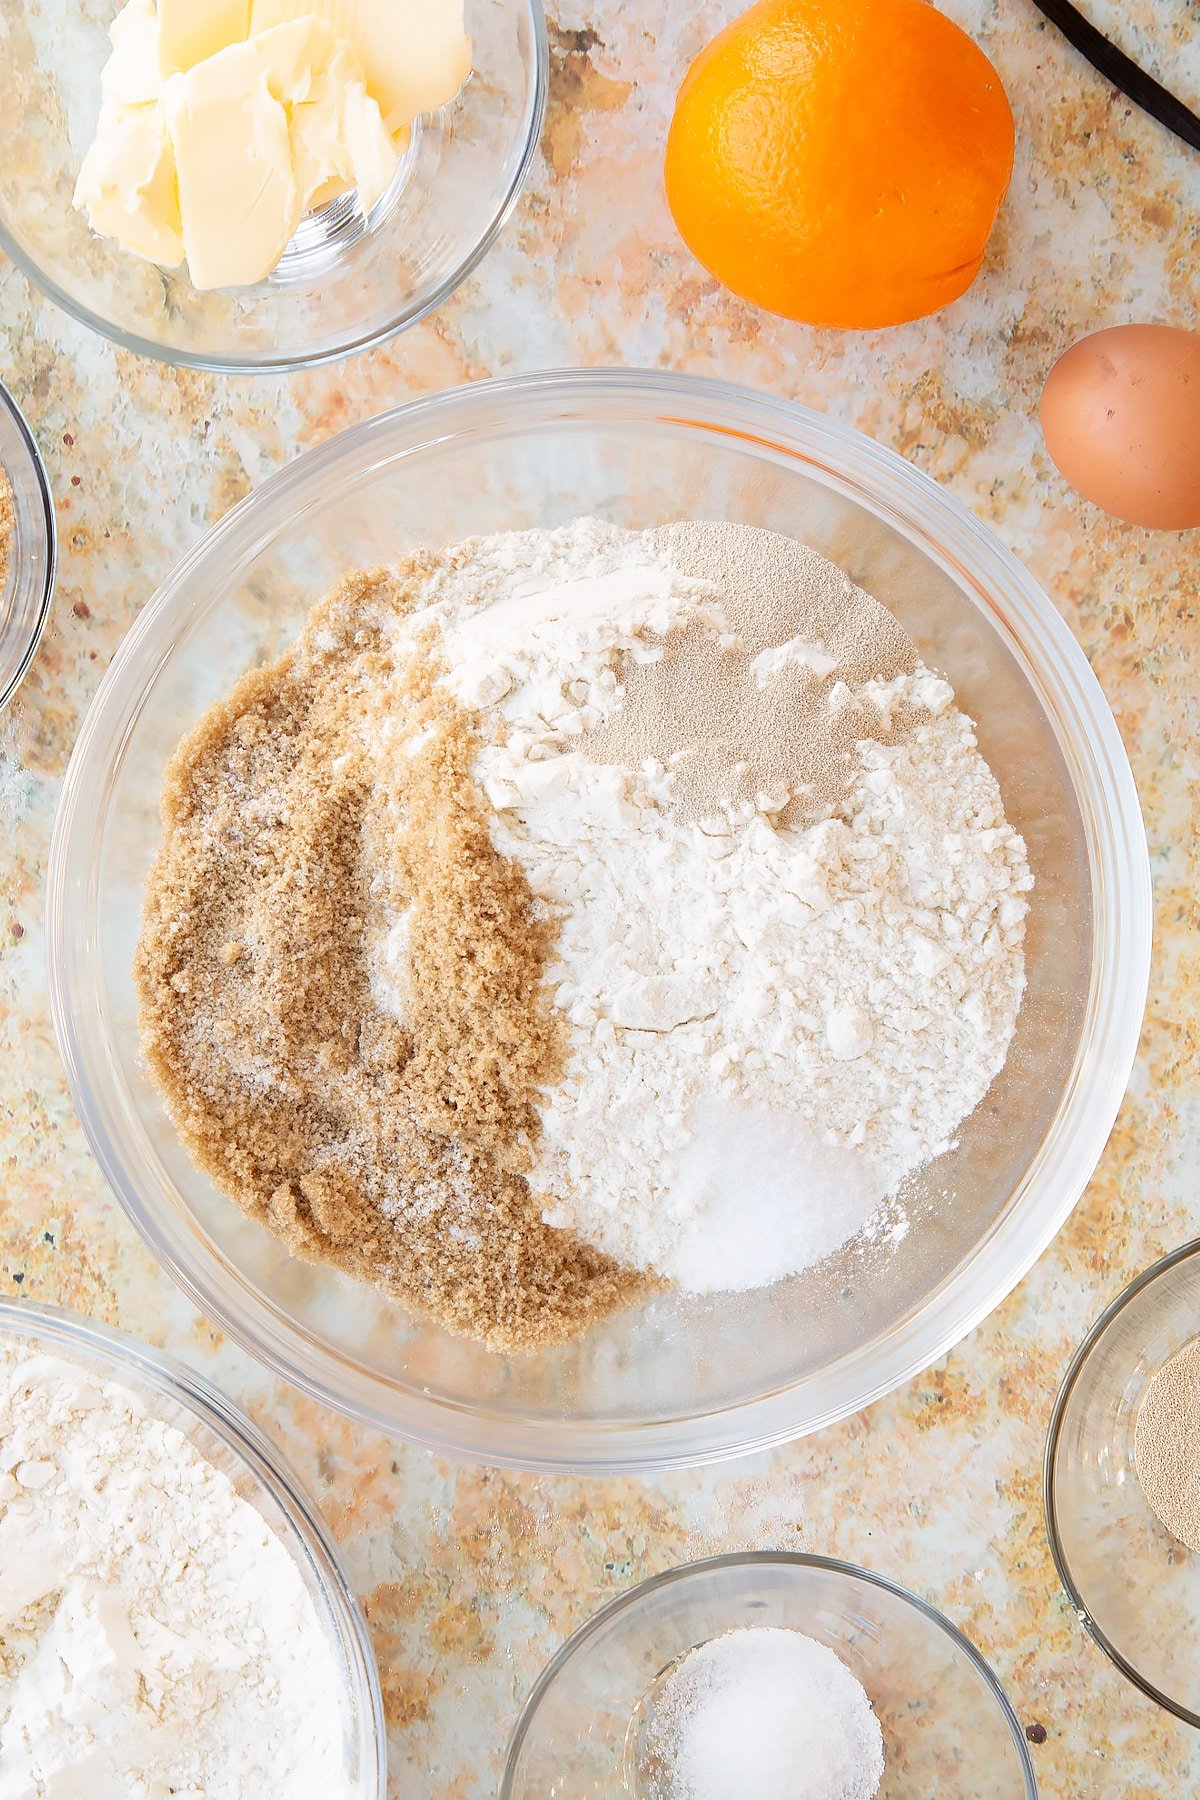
(8, 523)
(329, 799)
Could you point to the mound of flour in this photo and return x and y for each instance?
(156, 1638)
(790, 907)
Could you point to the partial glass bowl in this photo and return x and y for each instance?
(28, 560)
(1134, 1586)
(345, 282)
(948, 1728)
(677, 1380)
(228, 1440)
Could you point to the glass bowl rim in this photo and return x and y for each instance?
(895, 490)
(1148, 1277)
(683, 1572)
(194, 1393)
(408, 315)
(49, 520)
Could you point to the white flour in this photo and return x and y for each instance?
(771, 1026)
(156, 1639)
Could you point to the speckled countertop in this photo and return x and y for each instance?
(471, 1579)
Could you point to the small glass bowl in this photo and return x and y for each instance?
(1135, 1587)
(28, 582)
(345, 282)
(227, 1439)
(947, 1727)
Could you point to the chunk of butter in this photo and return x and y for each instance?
(338, 136)
(132, 76)
(414, 54)
(127, 185)
(221, 158)
(190, 30)
(237, 190)
(258, 130)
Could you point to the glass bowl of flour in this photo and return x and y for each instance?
(677, 1377)
(175, 1616)
(607, 1709)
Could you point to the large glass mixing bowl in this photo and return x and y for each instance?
(678, 1380)
(345, 281)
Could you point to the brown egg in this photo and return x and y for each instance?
(1121, 416)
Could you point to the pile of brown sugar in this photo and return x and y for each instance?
(8, 522)
(394, 1149)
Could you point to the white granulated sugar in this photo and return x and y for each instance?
(767, 1712)
(734, 1195)
(772, 1024)
(156, 1639)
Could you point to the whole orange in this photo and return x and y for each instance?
(840, 161)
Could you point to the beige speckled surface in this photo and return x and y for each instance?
(472, 1579)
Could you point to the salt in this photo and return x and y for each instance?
(766, 1712)
(756, 1194)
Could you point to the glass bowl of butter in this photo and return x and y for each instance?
(263, 184)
